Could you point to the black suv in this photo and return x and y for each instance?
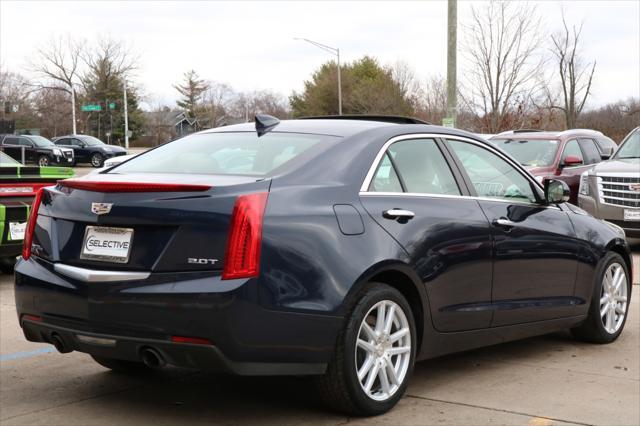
(88, 149)
(37, 149)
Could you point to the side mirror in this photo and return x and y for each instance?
(556, 191)
(572, 160)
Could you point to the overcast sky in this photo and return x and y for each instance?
(250, 45)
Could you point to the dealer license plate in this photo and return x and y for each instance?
(107, 244)
(16, 230)
(632, 215)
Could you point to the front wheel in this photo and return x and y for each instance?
(609, 302)
(43, 161)
(374, 355)
(97, 160)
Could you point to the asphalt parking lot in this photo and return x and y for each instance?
(539, 381)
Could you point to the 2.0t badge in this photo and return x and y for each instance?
(101, 208)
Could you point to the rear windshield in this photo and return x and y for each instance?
(529, 152)
(223, 154)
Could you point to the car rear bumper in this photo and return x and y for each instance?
(244, 337)
(188, 355)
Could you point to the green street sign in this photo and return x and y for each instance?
(112, 105)
(91, 108)
(448, 122)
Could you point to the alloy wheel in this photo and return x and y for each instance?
(383, 350)
(43, 162)
(96, 161)
(613, 298)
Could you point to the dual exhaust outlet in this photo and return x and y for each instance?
(151, 357)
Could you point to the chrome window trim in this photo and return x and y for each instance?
(467, 197)
(364, 188)
(98, 276)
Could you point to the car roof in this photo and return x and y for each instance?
(547, 134)
(341, 127)
(337, 127)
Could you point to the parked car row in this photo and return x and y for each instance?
(557, 155)
(18, 187)
(341, 249)
(36, 149)
(64, 150)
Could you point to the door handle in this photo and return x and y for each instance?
(504, 222)
(398, 214)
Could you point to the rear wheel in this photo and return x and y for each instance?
(43, 161)
(122, 366)
(97, 160)
(374, 355)
(609, 303)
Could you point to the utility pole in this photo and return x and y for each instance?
(73, 108)
(126, 117)
(452, 89)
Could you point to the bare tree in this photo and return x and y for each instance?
(247, 105)
(575, 75)
(217, 100)
(59, 60)
(108, 59)
(433, 105)
(501, 47)
(58, 64)
(407, 83)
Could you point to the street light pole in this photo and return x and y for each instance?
(335, 51)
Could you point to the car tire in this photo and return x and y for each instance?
(97, 160)
(44, 161)
(340, 387)
(122, 366)
(609, 305)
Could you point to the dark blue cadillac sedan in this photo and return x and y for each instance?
(341, 248)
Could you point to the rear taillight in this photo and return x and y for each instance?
(31, 225)
(242, 258)
(89, 185)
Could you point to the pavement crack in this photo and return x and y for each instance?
(500, 410)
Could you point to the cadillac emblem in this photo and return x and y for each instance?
(101, 208)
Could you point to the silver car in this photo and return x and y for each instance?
(611, 189)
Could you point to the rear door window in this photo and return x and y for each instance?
(572, 148)
(10, 140)
(416, 166)
(386, 178)
(25, 142)
(591, 152)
